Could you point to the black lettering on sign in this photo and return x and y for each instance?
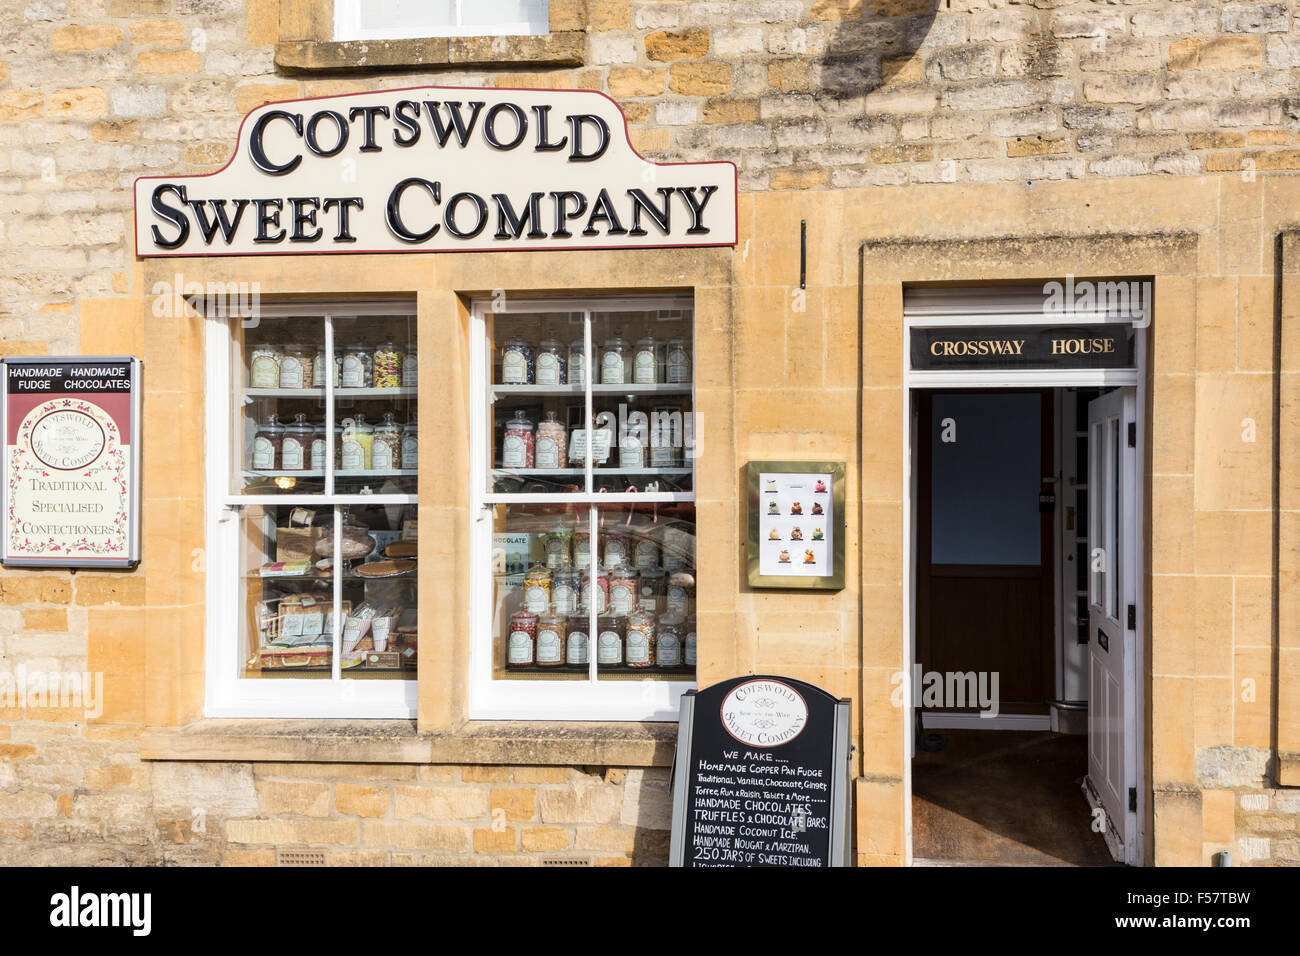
(759, 782)
(1023, 346)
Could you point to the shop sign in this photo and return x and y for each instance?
(1023, 346)
(761, 776)
(436, 169)
(796, 524)
(71, 462)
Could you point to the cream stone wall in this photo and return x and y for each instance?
(971, 143)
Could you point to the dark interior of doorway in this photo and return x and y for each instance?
(989, 551)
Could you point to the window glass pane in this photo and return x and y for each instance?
(648, 567)
(287, 603)
(643, 391)
(279, 407)
(1114, 555)
(375, 446)
(288, 588)
(381, 15)
(379, 591)
(541, 592)
(1095, 537)
(482, 16)
(986, 479)
(537, 402)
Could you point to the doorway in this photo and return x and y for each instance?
(1024, 513)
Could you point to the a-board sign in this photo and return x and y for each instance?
(760, 778)
(70, 496)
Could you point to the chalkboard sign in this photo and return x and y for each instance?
(761, 776)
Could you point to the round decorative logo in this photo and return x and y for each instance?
(67, 440)
(764, 713)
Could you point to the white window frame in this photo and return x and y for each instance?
(560, 699)
(227, 693)
(347, 26)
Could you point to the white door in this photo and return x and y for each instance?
(1112, 603)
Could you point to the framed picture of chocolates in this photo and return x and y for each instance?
(796, 524)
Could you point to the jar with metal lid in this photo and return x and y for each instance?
(551, 362)
(645, 361)
(601, 599)
(639, 640)
(631, 451)
(318, 369)
(358, 444)
(410, 444)
(577, 362)
(266, 444)
(557, 542)
(566, 590)
(669, 637)
(552, 442)
(537, 589)
(609, 641)
(518, 445)
(387, 454)
(650, 589)
(517, 362)
(357, 371)
(552, 629)
(677, 362)
(622, 590)
(296, 366)
(613, 360)
(689, 645)
(410, 368)
(576, 645)
(665, 437)
(679, 598)
(264, 365)
(318, 448)
(581, 550)
(338, 445)
(617, 549)
(386, 366)
(521, 640)
(295, 447)
(645, 553)
(678, 549)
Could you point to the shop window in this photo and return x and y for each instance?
(584, 462)
(312, 576)
(414, 19)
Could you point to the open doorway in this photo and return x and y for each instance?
(1024, 513)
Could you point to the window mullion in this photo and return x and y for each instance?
(593, 537)
(329, 406)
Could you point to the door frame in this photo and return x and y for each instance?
(1022, 378)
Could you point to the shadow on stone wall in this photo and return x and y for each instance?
(865, 53)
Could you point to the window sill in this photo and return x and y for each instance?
(398, 741)
(564, 48)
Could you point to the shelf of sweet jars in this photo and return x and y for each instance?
(598, 470)
(341, 473)
(683, 388)
(339, 393)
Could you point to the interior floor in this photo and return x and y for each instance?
(1004, 798)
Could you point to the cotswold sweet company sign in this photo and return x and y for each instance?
(436, 169)
(761, 776)
(71, 462)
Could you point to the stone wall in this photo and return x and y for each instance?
(82, 797)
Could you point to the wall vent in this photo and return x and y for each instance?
(565, 861)
(299, 857)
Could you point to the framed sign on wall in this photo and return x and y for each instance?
(796, 524)
(71, 462)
